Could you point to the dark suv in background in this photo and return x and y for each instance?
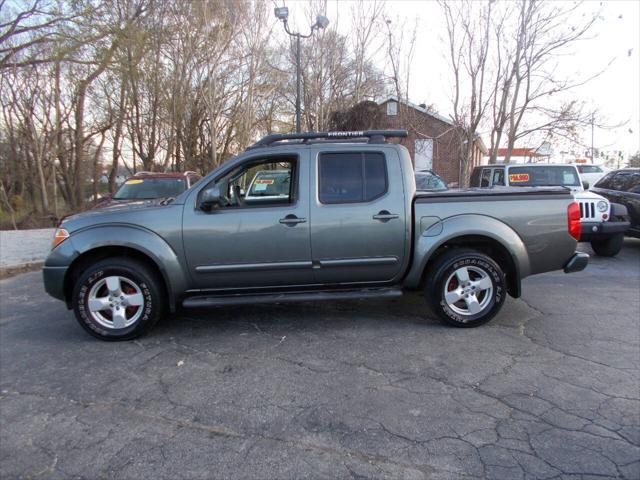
(623, 186)
(150, 186)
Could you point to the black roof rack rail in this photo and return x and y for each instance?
(374, 136)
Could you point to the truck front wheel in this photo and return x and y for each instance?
(608, 247)
(465, 288)
(118, 299)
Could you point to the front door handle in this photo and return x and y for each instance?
(385, 216)
(291, 220)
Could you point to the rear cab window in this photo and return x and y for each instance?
(541, 176)
(351, 177)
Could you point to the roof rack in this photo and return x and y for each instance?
(374, 136)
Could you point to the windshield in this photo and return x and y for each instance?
(429, 181)
(148, 188)
(552, 175)
(268, 184)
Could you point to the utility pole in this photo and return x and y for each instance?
(282, 13)
(592, 124)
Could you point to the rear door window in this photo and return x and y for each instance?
(351, 177)
(634, 184)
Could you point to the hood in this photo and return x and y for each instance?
(587, 195)
(134, 212)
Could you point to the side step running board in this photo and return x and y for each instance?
(288, 297)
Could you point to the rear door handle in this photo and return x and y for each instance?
(291, 220)
(385, 216)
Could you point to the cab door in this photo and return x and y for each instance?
(358, 216)
(260, 238)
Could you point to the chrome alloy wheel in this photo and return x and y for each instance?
(468, 290)
(115, 302)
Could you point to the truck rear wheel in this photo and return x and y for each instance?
(465, 288)
(118, 299)
(608, 247)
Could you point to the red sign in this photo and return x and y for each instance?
(518, 177)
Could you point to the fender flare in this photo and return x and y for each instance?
(427, 242)
(142, 240)
(619, 210)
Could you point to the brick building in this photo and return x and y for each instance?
(433, 142)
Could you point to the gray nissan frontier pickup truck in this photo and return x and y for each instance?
(306, 217)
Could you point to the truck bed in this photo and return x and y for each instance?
(530, 222)
(493, 192)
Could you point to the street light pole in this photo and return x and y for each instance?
(282, 13)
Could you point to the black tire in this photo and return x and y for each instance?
(135, 279)
(608, 247)
(479, 267)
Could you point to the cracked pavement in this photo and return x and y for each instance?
(354, 389)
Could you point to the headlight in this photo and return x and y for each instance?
(603, 206)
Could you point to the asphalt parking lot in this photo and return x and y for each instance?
(549, 389)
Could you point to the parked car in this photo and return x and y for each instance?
(591, 173)
(427, 180)
(623, 186)
(602, 223)
(350, 226)
(150, 186)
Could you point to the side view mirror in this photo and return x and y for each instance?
(210, 198)
(585, 185)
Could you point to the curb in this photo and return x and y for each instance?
(6, 272)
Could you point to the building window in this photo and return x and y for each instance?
(392, 108)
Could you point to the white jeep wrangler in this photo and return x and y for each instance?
(602, 223)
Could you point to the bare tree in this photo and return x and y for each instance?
(158, 85)
(30, 33)
(367, 19)
(469, 40)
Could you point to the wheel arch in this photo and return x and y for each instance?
(96, 244)
(484, 234)
(486, 245)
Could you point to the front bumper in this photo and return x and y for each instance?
(54, 281)
(577, 262)
(591, 230)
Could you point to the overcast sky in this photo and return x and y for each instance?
(615, 38)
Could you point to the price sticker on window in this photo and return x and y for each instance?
(518, 177)
(264, 181)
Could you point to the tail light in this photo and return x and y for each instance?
(573, 218)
